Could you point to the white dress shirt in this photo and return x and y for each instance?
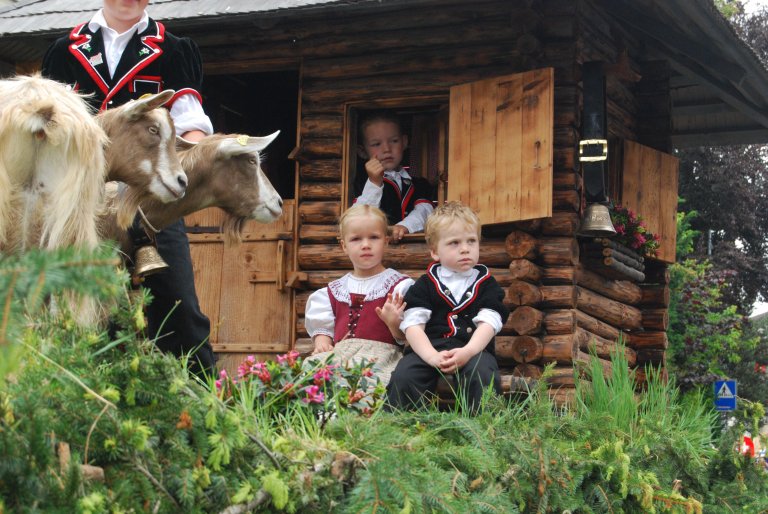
(371, 195)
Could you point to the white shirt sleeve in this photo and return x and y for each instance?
(371, 194)
(188, 114)
(491, 317)
(415, 316)
(417, 218)
(318, 315)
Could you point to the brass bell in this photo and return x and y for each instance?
(148, 261)
(597, 222)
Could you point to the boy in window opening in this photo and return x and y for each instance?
(406, 200)
(452, 314)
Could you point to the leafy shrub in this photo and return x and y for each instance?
(706, 336)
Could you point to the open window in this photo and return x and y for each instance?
(489, 144)
(424, 121)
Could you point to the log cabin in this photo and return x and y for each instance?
(497, 98)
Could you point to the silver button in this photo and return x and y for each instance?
(469, 330)
(447, 292)
(455, 316)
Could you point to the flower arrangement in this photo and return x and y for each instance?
(632, 232)
(285, 384)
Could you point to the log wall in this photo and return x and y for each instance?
(561, 309)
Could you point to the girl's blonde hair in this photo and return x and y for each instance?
(361, 211)
(444, 216)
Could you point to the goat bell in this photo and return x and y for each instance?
(148, 261)
(597, 222)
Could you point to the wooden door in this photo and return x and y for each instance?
(500, 146)
(242, 287)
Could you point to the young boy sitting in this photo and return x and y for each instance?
(406, 200)
(453, 313)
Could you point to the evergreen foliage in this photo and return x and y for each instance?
(169, 443)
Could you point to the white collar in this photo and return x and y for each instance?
(99, 22)
(400, 172)
(448, 273)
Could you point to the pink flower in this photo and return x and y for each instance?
(262, 373)
(289, 357)
(218, 385)
(289, 389)
(367, 372)
(244, 369)
(314, 395)
(323, 375)
(619, 229)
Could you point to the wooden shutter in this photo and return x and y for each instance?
(649, 187)
(500, 146)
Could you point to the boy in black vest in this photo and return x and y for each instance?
(406, 200)
(453, 313)
(117, 56)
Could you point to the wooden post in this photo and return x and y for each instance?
(523, 269)
(525, 320)
(520, 349)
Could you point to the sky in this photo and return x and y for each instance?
(754, 5)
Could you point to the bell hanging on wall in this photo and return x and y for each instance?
(148, 261)
(597, 222)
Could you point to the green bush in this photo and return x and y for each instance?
(169, 443)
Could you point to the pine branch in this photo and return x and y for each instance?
(261, 498)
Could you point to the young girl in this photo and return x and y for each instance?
(357, 316)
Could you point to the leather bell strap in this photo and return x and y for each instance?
(593, 148)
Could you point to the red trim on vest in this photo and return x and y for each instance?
(81, 39)
(404, 202)
(397, 189)
(150, 41)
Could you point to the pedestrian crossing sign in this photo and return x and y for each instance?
(725, 395)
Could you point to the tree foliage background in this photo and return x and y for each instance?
(728, 188)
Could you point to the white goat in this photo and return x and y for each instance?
(52, 166)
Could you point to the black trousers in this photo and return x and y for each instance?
(186, 330)
(413, 378)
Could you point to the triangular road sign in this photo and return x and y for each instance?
(725, 391)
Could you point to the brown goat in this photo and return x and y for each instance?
(142, 153)
(223, 171)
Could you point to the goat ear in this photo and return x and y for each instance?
(145, 104)
(237, 146)
(184, 144)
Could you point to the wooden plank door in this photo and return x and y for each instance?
(242, 287)
(500, 146)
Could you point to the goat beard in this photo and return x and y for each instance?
(232, 227)
(127, 205)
